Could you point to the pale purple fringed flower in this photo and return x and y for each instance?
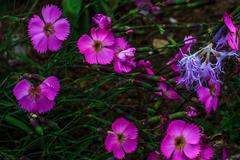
(198, 68)
(103, 22)
(49, 33)
(97, 48)
(190, 71)
(188, 42)
(122, 139)
(37, 99)
(147, 6)
(124, 59)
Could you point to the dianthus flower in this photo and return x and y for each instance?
(153, 156)
(103, 22)
(122, 138)
(49, 33)
(168, 93)
(96, 49)
(147, 6)
(206, 153)
(124, 60)
(37, 99)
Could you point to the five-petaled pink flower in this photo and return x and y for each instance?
(233, 36)
(103, 22)
(49, 33)
(124, 56)
(122, 138)
(39, 99)
(209, 96)
(96, 49)
(168, 93)
(182, 141)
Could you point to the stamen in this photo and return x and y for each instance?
(48, 29)
(97, 45)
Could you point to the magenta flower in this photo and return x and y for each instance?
(209, 96)
(167, 93)
(153, 156)
(147, 65)
(96, 49)
(37, 99)
(103, 22)
(49, 33)
(122, 139)
(182, 141)
(233, 35)
(206, 153)
(225, 155)
(147, 6)
(124, 56)
(191, 112)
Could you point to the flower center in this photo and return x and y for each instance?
(35, 92)
(48, 29)
(121, 138)
(97, 45)
(212, 90)
(180, 142)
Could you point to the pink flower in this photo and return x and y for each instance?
(37, 99)
(209, 96)
(49, 33)
(103, 22)
(233, 35)
(122, 139)
(191, 112)
(147, 6)
(96, 48)
(224, 155)
(147, 65)
(167, 93)
(206, 153)
(182, 141)
(153, 156)
(124, 56)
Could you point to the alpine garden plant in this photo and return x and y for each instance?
(84, 81)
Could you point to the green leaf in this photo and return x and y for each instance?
(17, 123)
(71, 9)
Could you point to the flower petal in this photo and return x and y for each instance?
(84, 43)
(44, 104)
(191, 133)
(206, 152)
(229, 23)
(192, 150)
(90, 56)
(54, 44)
(131, 132)
(130, 145)
(176, 127)
(22, 89)
(118, 152)
(110, 142)
(203, 93)
(178, 155)
(35, 26)
(50, 87)
(105, 56)
(167, 146)
(40, 43)
(28, 104)
(51, 13)
(119, 125)
(62, 29)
